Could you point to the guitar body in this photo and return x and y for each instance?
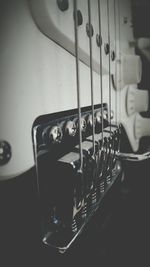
(38, 75)
(39, 89)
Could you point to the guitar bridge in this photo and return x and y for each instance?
(71, 195)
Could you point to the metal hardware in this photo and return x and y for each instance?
(63, 4)
(94, 197)
(90, 121)
(105, 115)
(79, 17)
(98, 40)
(106, 48)
(133, 157)
(71, 196)
(84, 211)
(89, 30)
(98, 119)
(5, 152)
(113, 55)
(83, 125)
(70, 128)
(53, 135)
(74, 226)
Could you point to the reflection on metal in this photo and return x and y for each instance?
(69, 198)
(133, 157)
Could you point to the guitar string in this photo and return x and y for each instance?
(109, 68)
(101, 70)
(116, 55)
(78, 83)
(119, 61)
(91, 75)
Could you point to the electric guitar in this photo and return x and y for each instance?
(69, 78)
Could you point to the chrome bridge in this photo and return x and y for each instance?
(70, 196)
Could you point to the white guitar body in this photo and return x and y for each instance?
(38, 71)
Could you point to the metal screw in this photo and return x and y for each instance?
(71, 128)
(113, 55)
(55, 135)
(106, 48)
(79, 17)
(89, 30)
(98, 40)
(83, 125)
(63, 4)
(5, 152)
(98, 117)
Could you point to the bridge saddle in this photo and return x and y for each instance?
(71, 195)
